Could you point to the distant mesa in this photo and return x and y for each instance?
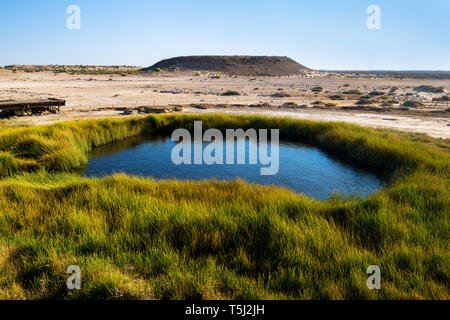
(234, 65)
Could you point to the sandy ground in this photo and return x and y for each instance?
(434, 127)
(98, 96)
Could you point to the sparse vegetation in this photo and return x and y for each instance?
(364, 101)
(336, 97)
(76, 70)
(317, 89)
(392, 101)
(231, 93)
(413, 103)
(281, 94)
(290, 104)
(377, 93)
(443, 98)
(393, 90)
(354, 91)
(261, 105)
(428, 88)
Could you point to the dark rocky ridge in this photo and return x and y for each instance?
(234, 65)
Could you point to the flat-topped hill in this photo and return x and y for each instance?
(234, 65)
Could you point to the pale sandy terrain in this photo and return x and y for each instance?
(99, 96)
(434, 127)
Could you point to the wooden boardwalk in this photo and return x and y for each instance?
(24, 107)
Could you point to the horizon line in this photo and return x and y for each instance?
(322, 70)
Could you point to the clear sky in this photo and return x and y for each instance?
(322, 34)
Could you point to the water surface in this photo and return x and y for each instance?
(302, 168)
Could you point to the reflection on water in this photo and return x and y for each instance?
(302, 168)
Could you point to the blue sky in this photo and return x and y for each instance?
(414, 35)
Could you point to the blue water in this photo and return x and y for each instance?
(302, 168)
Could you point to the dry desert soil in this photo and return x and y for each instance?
(368, 99)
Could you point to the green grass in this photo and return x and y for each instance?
(137, 238)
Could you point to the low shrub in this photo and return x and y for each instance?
(364, 102)
(413, 103)
(443, 98)
(428, 88)
(354, 91)
(231, 93)
(281, 94)
(290, 105)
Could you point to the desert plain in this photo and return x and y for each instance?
(368, 99)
